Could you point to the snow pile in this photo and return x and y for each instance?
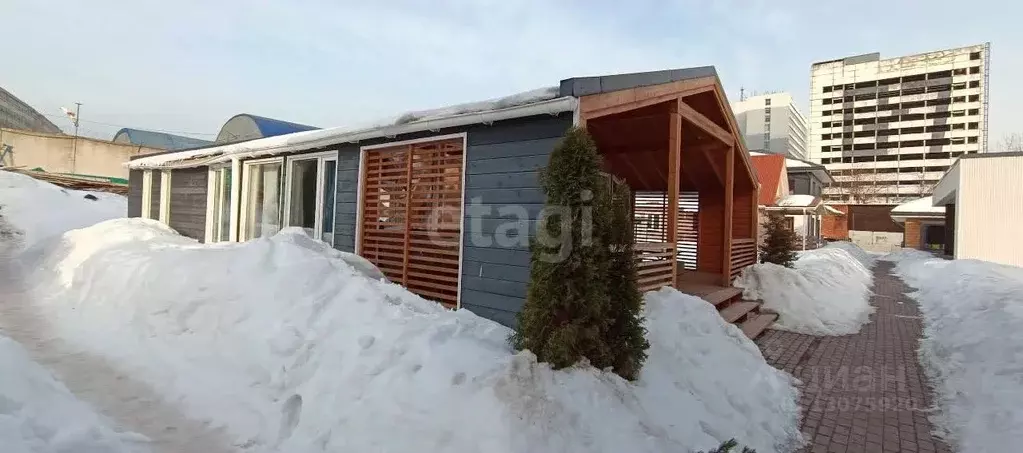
(37, 209)
(972, 348)
(826, 293)
(287, 348)
(865, 258)
(39, 414)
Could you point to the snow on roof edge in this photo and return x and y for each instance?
(918, 206)
(543, 100)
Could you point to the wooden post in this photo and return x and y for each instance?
(408, 216)
(674, 170)
(726, 249)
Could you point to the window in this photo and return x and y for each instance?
(886, 132)
(912, 105)
(888, 119)
(958, 140)
(938, 128)
(973, 112)
(939, 74)
(890, 81)
(218, 205)
(944, 101)
(912, 91)
(767, 101)
(938, 115)
(826, 101)
(865, 96)
(847, 99)
(867, 109)
(863, 134)
(959, 99)
(826, 124)
(971, 139)
(975, 70)
(825, 136)
(310, 188)
(974, 98)
(958, 126)
(912, 117)
(862, 121)
(827, 89)
(914, 78)
(866, 84)
(913, 130)
(262, 198)
(958, 113)
(937, 142)
(975, 55)
(888, 94)
(958, 85)
(971, 126)
(939, 88)
(960, 71)
(887, 145)
(974, 84)
(911, 143)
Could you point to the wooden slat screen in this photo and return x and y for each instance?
(650, 224)
(744, 254)
(412, 216)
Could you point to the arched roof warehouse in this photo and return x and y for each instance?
(244, 127)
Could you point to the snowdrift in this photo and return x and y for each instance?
(37, 209)
(287, 348)
(826, 293)
(39, 414)
(972, 349)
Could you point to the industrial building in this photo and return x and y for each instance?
(888, 129)
(16, 114)
(771, 123)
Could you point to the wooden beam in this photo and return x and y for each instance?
(715, 168)
(726, 249)
(636, 97)
(641, 102)
(674, 166)
(756, 214)
(408, 215)
(704, 123)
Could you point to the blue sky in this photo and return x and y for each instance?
(189, 65)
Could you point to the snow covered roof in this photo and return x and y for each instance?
(800, 201)
(160, 140)
(535, 102)
(921, 207)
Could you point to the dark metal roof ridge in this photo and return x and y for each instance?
(583, 86)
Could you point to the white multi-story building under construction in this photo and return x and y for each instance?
(888, 129)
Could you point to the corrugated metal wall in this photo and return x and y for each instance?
(990, 212)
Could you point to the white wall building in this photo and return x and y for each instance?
(771, 123)
(888, 129)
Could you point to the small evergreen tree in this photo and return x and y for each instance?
(626, 335)
(566, 314)
(728, 445)
(779, 241)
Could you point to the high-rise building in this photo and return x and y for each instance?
(16, 114)
(888, 129)
(771, 123)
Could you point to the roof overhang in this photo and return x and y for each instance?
(945, 190)
(309, 140)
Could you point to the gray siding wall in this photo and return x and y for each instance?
(347, 198)
(154, 198)
(501, 184)
(188, 202)
(502, 160)
(135, 193)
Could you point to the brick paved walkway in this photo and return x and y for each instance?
(864, 392)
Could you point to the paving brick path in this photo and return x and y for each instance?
(864, 392)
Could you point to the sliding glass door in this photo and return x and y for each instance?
(261, 198)
(311, 185)
(219, 229)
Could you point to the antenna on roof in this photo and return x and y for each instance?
(742, 93)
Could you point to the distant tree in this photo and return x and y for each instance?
(1010, 142)
(626, 334)
(779, 241)
(566, 316)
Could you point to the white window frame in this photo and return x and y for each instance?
(321, 162)
(244, 205)
(147, 194)
(165, 193)
(362, 177)
(211, 195)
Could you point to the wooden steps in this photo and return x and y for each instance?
(756, 325)
(738, 311)
(722, 296)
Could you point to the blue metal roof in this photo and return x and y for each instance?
(270, 127)
(159, 140)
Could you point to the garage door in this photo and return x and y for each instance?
(411, 215)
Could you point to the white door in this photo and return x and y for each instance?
(310, 189)
(261, 198)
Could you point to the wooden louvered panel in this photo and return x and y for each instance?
(411, 217)
(650, 222)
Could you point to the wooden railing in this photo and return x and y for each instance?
(654, 264)
(744, 253)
